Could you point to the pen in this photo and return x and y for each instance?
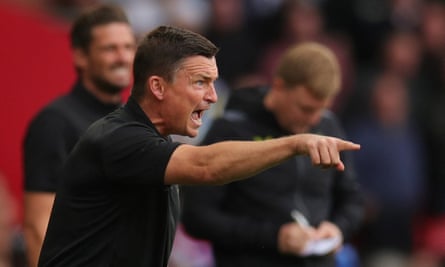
(299, 218)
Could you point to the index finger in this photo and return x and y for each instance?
(347, 145)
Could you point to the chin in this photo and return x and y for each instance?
(121, 84)
(300, 130)
(192, 133)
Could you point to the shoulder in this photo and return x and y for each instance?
(119, 126)
(330, 125)
(56, 109)
(244, 102)
(50, 116)
(243, 97)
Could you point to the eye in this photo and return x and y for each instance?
(130, 47)
(200, 83)
(108, 48)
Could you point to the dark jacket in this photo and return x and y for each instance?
(242, 219)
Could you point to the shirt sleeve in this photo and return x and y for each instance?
(136, 154)
(46, 147)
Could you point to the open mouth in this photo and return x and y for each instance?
(197, 117)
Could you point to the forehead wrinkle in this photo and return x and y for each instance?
(202, 68)
(199, 70)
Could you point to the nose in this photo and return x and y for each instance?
(125, 54)
(211, 95)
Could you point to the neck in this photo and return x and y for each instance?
(154, 114)
(101, 95)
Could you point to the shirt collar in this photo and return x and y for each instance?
(139, 115)
(79, 90)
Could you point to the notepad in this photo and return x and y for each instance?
(317, 247)
(321, 246)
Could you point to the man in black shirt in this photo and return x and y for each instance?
(117, 204)
(103, 47)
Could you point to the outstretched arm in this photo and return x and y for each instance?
(229, 161)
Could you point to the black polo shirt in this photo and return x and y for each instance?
(54, 131)
(112, 207)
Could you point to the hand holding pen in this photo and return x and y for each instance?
(293, 236)
(327, 238)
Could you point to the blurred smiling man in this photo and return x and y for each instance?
(103, 46)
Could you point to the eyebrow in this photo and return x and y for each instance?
(201, 74)
(204, 76)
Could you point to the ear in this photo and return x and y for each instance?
(330, 102)
(278, 84)
(80, 58)
(156, 85)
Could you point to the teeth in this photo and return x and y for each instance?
(197, 118)
(121, 71)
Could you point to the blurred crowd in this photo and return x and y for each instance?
(392, 56)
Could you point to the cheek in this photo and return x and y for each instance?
(97, 65)
(105, 59)
(106, 63)
(195, 97)
(292, 114)
(288, 120)
(296, 119)
(184, 104)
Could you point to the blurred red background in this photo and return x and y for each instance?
(36, 67)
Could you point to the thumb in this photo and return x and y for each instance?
(340, 166)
